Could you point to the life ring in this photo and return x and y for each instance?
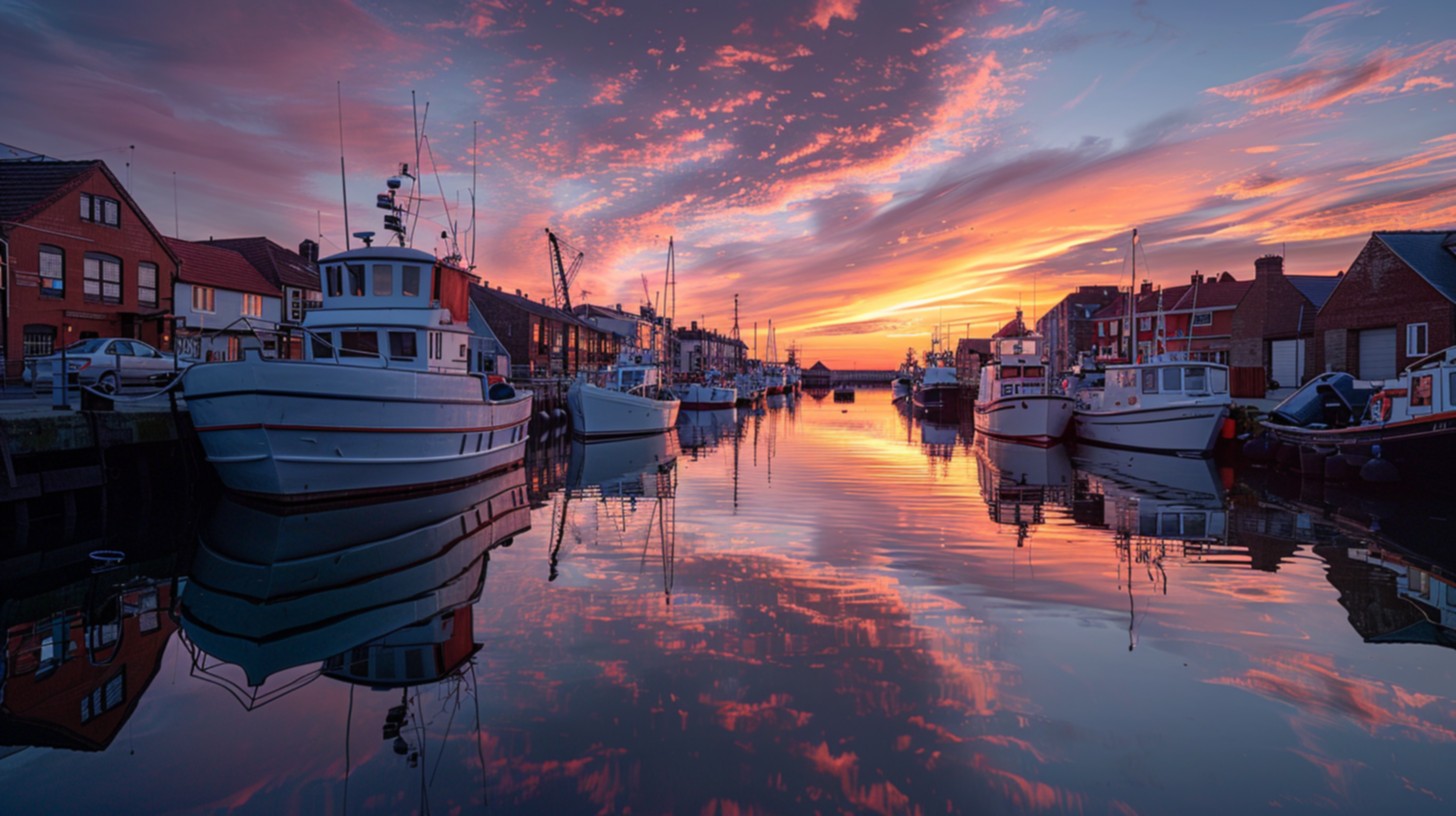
(1383, 404)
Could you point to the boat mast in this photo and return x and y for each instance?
(1132, 304)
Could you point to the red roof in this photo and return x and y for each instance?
(205, 265)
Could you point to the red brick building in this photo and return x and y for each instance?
(1395, 304)
(79, 259)
(1196, 317)
(1273, 328)
(541, 340)
(1068, 326)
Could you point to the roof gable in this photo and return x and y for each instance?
(1432, 255)
(282, 267)
(27, 187)
(205, 265)
(1315, 288)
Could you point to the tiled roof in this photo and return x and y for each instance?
(280, 266)
(1316, 288)
(1013, 327)
(1431, 254)
(29, 186)
(1223, 293)
(205, 265)
(481, 294)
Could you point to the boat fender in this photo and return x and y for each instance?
(1132, 400)
(559, 414)
(543, 417)
(501, 391)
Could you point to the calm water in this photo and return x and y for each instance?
(824, 607)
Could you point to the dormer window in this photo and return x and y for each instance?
(100, 210)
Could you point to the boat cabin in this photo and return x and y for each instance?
(1018, 369)
(1427, 387)
(396, 307)
(1170, 379)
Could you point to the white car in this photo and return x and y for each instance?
(106, 364)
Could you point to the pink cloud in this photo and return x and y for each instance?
(825, 11)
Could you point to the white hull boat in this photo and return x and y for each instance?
(1016, 399)
(599, 412)
(706, 396)
(1166, 405)
(1037, 418)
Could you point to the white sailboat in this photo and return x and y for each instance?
(395, 392)
(1017, 399)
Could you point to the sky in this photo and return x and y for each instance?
(857, 172)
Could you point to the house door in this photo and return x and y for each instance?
(1377, 354)
(1286, 362)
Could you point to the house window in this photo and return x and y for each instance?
(1203, 318)
(146, 284)
(103, 698)
(1101, 329)
(252, 305)
(38, 340)
(1416, 340)
(1145, 324)
(102, 279)
(204, 299)
(52, 271)
(100, 210)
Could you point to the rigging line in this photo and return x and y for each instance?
(479, 749)
(343, 177)
(449, 219)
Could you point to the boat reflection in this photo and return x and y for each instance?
(1147, 498)
(1019, 481)
(701, 432)
(616, 479)
(271, 593)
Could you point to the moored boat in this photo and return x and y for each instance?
(903, 384)
(626, 399)
(711, 392)
(394, 391)
(938, 386)
(1016, 398)
(1169, 405)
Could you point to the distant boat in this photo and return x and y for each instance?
(395, 391)
(902, 386)
(711, 392)
(938, 387)
(843, 393)
(1017, 399)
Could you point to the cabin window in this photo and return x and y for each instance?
(402, 345)
(1010, 372)
(1420, 391)
(336, 281)
(1150, 381)
(1125, 378)
(1172, 379)
(1195, 379)
(383, 280)
(322, 350)
(1033, 372)
(1451, 391)
(356, 279)
(1416, 340)
(410, 281)
(358, 343)
(52, 271)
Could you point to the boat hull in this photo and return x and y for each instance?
(1418, 448)
(704, 397)
(1185, 429)
(601, 412)
(901, 388)
(290, 430)
(1039, 419)
(936, 398)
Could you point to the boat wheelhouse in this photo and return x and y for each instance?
(1171, 404)
(1016, 397)
(394, 392)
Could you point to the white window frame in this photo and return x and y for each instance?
(1417, 339)
(252, 305)
(144, 269)
(46, 273)
(97, 209)
(204, 299)
(107, 278)
(1201, 319)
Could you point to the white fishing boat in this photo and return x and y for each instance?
(903, 384)
(627, 399)
(394, 391)
(711, 392)
(1168, 405)
(1017, 399)
(938, 386)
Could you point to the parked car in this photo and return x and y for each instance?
(106, 364)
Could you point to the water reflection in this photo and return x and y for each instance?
(1018, 482)
(701, 432)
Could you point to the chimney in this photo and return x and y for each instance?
(1147, 288)
(695, 325)
(518, 293)
(619, 308)
(1269, 266)
(1197, 278)
(308, 249)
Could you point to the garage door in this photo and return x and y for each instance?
(1286, 362)
(1377, 354)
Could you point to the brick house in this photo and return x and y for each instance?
(1068, 326)
(1395, 304)
(970, 352)
(1196, 317)
(78, 259)
(699, 350)
(1273, 327)
(541, 340)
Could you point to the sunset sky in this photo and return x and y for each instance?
(855, 170)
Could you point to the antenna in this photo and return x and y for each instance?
(176, 219)
(474, 148)
(343, 177)
(130, 157)
(415, 119)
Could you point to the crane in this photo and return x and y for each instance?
(561, 274)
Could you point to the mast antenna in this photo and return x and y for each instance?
(343, 177)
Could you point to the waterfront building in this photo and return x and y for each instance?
(294, 274)
(1067, 327)
(1394, 305)
(78, 258)
(1272, 328)
(541, 340)
(700, 349)
(970, 353)
(223, 304)
(1196, 317)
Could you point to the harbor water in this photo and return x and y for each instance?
(816, 607)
